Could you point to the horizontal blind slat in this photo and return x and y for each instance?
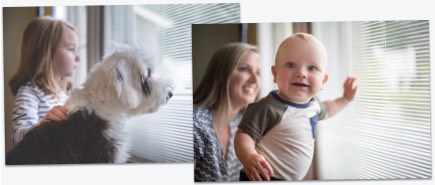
(386, 131)
(167, 135)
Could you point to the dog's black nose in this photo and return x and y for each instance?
(169, 95)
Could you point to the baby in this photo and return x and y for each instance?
(276, 135)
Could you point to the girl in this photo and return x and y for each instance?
(48, 58)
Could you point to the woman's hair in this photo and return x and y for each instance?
(213, 90)
(41, 39)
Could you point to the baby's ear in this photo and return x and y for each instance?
(325, 79)
(273, 68)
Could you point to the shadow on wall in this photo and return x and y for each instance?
(15, 20)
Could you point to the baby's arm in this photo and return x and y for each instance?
(253, 163)
(337, 105)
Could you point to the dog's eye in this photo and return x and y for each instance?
(118, 75)
(146, 85)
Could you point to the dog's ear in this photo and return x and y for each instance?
(124, 85)
(113, 81)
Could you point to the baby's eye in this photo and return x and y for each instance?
(312, 68)
(290, 65)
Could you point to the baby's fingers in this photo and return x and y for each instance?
(252, 174)
(267, 170)
(261, 168)
(255, 176)
(350, 83)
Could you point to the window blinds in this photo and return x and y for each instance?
(167, 135)
(76, 15)
(385, 133)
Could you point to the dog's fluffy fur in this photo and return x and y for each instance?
(116, 89)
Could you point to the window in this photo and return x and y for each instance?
(385, 132)
(76, 15)
(167, 135)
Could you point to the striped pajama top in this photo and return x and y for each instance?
(30, 107)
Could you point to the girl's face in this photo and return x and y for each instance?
(66, 56)
(245, 80)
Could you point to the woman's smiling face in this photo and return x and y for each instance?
(245, 80)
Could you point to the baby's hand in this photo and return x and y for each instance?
(255, 165)
(349, 88)
(57, 113)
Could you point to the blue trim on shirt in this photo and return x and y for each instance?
(313, 121)
(296, 105)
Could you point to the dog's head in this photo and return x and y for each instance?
(123, 83)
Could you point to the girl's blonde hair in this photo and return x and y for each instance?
(213, 90)
(41, 39)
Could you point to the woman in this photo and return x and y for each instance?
(230, 83)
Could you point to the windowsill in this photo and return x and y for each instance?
(134, 159)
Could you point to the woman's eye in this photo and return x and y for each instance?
(243, 68)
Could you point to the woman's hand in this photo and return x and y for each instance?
(57, 113)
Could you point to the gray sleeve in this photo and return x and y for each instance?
(260, 117)
(323, 108)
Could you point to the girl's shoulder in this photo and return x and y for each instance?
(28, 88)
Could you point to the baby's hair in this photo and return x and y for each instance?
(301, 35)
(304, 36)
(41, 39)
(213, 90)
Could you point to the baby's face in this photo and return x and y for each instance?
(300, 69)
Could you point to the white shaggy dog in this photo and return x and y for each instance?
(116, 89)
